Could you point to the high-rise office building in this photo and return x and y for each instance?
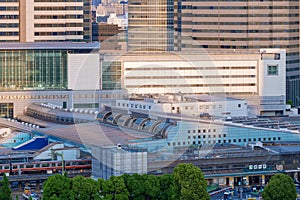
(45, 20)
(9, 20)
(151, 25)
(228, 26)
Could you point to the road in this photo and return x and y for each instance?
(220, 196)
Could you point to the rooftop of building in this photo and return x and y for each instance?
(167, 98)
(50, 46)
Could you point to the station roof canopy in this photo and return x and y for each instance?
(92, 134)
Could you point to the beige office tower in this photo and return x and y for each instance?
(45, 20)
(239, 25)
(9, 20)
(150, 25)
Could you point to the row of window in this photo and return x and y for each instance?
(190, 68)
(58, 33)
(240, 15)
(217, 1)
(58, 25)
(239, 31)
(59, 8)
(192, 85)
(222, 141)
(237, 7)
(6, 8)
(240, 23)
(134, 106)
(242, 38)
(9, 25)
(9, 16)
(204, 131)
(9, 0)
(58, 0)
(186, 77)
(238, 47)
(9, 33)
(57, 17)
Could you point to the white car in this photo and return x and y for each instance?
(33, 196)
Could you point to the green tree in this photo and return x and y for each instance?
(152, 186)
(57, 187)
(135, 186)
(280, 187)
(5, 191)
(189, 183)
(108, 190)
(84, 188)
(115, 189)
(166, 185)
(120, 190)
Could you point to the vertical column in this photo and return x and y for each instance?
(231, 181)
(26, 20)
(246, 180)
(263, 181)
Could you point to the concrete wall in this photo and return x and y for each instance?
(83, 72)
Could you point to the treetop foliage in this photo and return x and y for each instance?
(130, 187)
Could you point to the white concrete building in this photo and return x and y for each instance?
(120, 20)
(259, 78)
(115, 161)
(196, 105)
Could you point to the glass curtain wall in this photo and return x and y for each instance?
(33, 70)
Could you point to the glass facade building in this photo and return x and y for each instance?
(150, 25)
(111, 75)
(33, 69)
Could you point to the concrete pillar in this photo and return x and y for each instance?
(231, 181)
(20, 185)
(247, 180)
(263, 179)
(37, 185)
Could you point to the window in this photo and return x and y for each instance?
(272, 70)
